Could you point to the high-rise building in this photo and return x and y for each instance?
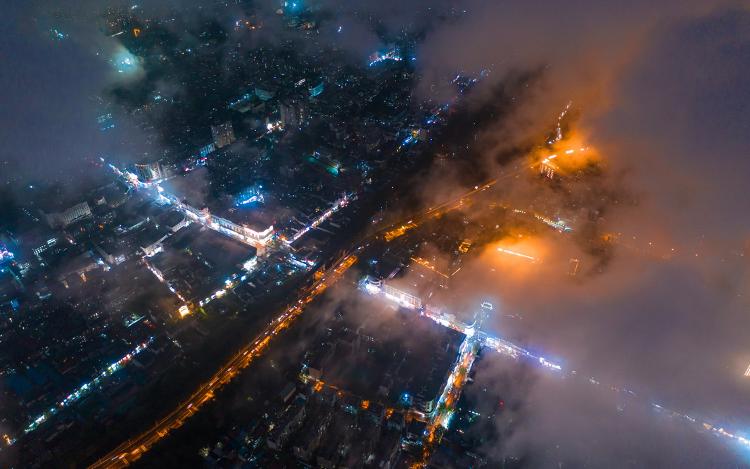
(223, 134)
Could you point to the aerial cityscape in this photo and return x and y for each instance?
(360, 234)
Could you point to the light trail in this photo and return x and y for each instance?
(161, 279)
(569, 151)
(428, 265)
(516, 352)
(133, 449)
(391, 54)
(446, 404)
(184, 310)
(450, 321)
(339, 204)
(397, 229)
(440, 418)
(558, 127)
(85, 389)
(232, 281)
(558, 224)
(505, 347)
(548, 168)
(517, 254)
(400, 231)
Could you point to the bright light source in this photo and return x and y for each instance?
(517, 254)
(184, 311)
(125, 62)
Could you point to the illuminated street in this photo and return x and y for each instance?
(134, 448)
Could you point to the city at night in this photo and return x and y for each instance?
(375, 234)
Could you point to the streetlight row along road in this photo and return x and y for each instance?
(133, 449)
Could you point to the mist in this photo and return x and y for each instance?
(659, 92)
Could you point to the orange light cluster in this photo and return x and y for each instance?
(428, 265)
(400, 231)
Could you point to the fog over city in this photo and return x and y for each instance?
(580, 167)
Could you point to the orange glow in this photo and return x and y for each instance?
(136, 32)
(428, 265)
(464, 246)
(184, 311)
(569, 154)
(400, 231)
(247, 24)
(518, 249)
(365, 404)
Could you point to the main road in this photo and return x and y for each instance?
(133, 449)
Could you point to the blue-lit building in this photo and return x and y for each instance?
(249, 196)
(293, 7)
(207, 150)
(317, 89)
